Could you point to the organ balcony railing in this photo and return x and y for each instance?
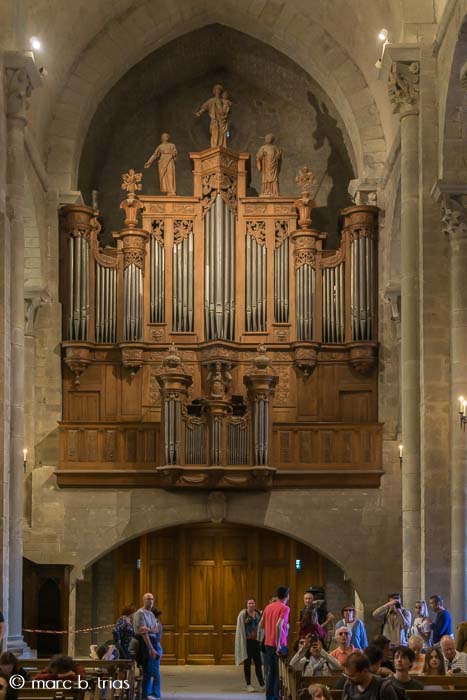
(219, 270)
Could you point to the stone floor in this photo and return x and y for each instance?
(205, 682)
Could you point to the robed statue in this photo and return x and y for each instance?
(268, 162)
(165, 155)
(219, 108)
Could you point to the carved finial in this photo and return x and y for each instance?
(305, 179)
(132, 181)
(261, 360)
(172, 359)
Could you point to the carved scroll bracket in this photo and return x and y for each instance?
(132, 357)
(257, 231)
(219, 183)
(77, 358)
(306, 357)
(363, 357)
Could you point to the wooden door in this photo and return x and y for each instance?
(201, 576)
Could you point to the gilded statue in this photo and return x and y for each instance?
(219, 108)
(166, 156)
(268, 162)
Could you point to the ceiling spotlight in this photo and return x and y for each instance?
(383, 35)
(35, 43)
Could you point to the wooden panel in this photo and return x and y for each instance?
(126, 559)
(355, 406)
(201, 594)
(329, 446)
(96, 446)
(84, 406)
(201, 576)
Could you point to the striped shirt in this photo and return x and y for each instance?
(458, 662)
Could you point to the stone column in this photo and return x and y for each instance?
(403, 83)
(21, 78)
(454, 218)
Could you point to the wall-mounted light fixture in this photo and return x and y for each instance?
(35, 43)
(25, 458)
(383, 35)
(401, 455)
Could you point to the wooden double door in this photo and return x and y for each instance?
(201, 576)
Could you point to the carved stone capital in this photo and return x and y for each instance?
(404, 86)
(33, 301)
(21, 77)
(452, 198)
(454, 216)
(392, 296)
(463, 76)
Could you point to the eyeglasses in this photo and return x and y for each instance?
(349, 610)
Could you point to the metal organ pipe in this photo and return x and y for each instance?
(157, 281)
(281, 282)
(333, 304)
(219, 285)
(78, 267)
(261, 431)
(105, 304)
(304, 291)
(362, 286)
(133, 302)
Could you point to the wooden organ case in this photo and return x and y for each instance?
(219, 345)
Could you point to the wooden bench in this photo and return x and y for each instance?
(98, 674)
(422, 694)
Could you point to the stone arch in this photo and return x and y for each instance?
(131, 514)
(453, 101)
(300, 37)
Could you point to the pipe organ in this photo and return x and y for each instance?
(219, 343)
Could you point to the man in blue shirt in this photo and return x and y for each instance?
(442, 624)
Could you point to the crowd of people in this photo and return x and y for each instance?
(407, 648)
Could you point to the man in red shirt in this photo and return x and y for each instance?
(275, 622)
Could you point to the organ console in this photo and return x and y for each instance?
(219, 343)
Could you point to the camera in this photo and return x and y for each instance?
(397, 605)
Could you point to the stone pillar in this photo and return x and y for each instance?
(454, 218)
(403, 83)
(21, 78)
